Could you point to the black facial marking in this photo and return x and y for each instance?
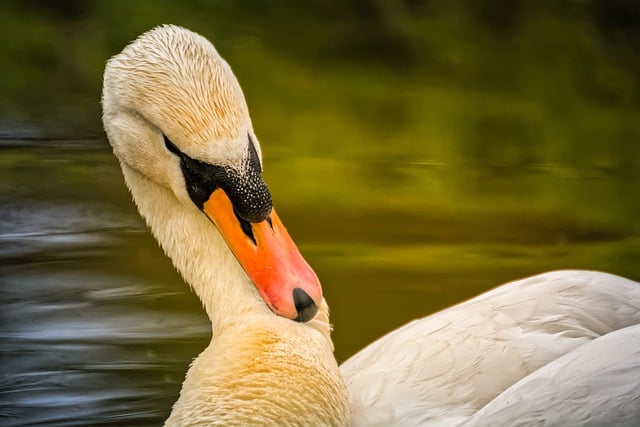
(245, 188)
(254, 161)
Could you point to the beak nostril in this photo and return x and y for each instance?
(305, 306)
(246, 227)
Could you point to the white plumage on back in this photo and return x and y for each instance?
(442, 369)
(596, 384)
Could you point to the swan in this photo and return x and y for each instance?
(179, 125)
(561, 348)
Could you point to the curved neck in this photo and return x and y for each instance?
(200, 254)
(197, 250)
(253, 352)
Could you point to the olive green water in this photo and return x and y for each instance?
(418, 155)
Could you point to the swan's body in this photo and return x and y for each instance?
(178, 123)
(530, 352)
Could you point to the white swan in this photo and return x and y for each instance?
(529, 352)
(178, 123)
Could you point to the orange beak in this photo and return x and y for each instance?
(270, 258)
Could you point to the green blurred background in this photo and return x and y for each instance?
(419, 151)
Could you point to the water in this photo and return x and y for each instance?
(87, 337)
(98, 329)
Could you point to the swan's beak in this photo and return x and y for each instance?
(267, 253)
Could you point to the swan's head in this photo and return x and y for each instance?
(175, 114)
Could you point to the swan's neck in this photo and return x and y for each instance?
(259, 368)
(197, 250)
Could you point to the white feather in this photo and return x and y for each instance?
(442, 369)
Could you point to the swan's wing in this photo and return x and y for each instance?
(445, 367)
(596, 384)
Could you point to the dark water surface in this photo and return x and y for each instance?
(97, 328)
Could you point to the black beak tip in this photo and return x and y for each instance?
(304, 305)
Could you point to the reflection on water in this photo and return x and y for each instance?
(97, 328)
(87, 339)
(84, 341)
